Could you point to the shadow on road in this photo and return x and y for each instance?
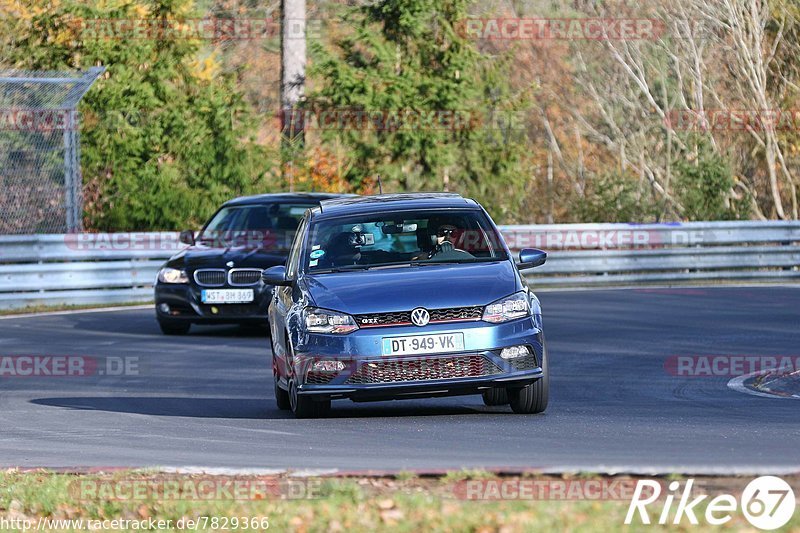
(140, 325)
(252, 408)
(258, 408)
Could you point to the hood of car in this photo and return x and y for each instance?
(403, 289)
(196, 257)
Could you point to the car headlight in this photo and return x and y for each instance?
(172, 275)
(325, 321)
(508, 308)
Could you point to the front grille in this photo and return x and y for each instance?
(403, 318)
(210, 277)
(232, 310)
(456, 314)
(527, 362)
(241, 277)
(431, 368)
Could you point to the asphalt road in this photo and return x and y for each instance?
(206, 399)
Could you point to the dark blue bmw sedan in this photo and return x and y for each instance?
(404, 296)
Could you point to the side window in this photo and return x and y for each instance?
(296, 251)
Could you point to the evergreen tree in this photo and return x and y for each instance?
(437, 110)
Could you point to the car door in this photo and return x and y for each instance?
(283, 296)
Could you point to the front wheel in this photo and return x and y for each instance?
(495, 396)
(281, 397)
(174, 327)
(532, 398)
(305, 407)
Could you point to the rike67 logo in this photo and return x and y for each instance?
(767, 502)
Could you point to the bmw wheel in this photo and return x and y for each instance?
(174, 327)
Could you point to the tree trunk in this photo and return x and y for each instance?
(293, 77)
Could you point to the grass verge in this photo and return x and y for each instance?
(403, 503)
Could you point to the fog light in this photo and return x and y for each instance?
(514, 351)
(328, 366)
(164, 308)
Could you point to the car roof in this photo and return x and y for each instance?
(310, 197)
(394, 202)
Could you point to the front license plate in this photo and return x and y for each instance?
(423, 344)
(226, 296)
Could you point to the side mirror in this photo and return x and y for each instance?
(275, 276)
(531, 257)
(186, 237)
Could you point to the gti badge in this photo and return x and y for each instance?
(420, 317)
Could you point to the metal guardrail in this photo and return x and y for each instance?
(121, 268)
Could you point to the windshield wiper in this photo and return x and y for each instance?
(343, 268)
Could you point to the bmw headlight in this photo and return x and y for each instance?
(325, 321)
(172, 275)
(508, 308)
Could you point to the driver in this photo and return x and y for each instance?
(442, 240)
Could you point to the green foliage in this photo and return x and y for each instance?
(704, 189)
(164, 138)
(405, 59)
(616, 198)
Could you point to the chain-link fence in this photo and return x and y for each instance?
(40, 176)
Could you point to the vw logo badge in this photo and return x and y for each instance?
(420, 317)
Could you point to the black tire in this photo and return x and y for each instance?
(495, 396)
(532, 398)
(174, 327)
(305, 407)
(281, 397)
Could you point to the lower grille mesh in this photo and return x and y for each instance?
(320, 378)
(432, 368)
(524, 363)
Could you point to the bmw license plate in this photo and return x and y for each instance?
(423, 344)
(227, 296)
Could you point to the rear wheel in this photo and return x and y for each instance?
(495, 396)
(174, 327)
(532, 398)
(305, 407)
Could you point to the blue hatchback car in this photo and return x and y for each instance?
(404, 296)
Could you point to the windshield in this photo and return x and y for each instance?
(265, 226)
(402, 239)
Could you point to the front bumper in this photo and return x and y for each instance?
(185, 304)
(370, 376)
